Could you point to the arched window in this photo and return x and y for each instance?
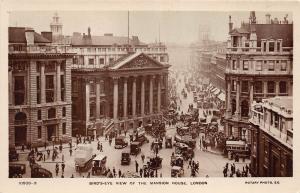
(51, 113)
(245, 108)
(233, 106)
(20, 116)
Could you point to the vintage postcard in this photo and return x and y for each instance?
(163, 97)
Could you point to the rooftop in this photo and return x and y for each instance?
(17, 35)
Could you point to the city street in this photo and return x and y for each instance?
(211, 163)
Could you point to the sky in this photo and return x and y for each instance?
(180, 27)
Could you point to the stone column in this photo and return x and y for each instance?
(58, 88)
(134, 97)
(237, 107)
(276, 88)
(143, 96)
(125, 98)
(115, 112)
(151, 96)
(166, 92)
(87, 105)
(158, 94)
(265, 89)
(43, 85)
(97, 100)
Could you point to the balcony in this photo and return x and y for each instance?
(257, 73)
(16, 49)
(258, 51)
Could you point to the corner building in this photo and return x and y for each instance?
(39, 89)
(259, 65)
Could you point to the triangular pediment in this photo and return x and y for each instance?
(138, 60)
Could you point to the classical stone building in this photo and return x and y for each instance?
(259, 65)
(272, 137)
(106, 92)
(39, 89)
(131, 90)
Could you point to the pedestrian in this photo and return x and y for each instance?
(101, 147)
(45, 145)
(63, 167)
(72, 176)
(143, 157)
(60, 148)
(62, 157)
(89, 175)
(141, 172)
(120, 173)
(114, 171)
(62, 176)
(71, 152)
(56, 169)
(44, 157)
(136, 167)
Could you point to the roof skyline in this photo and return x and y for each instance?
(168, 26)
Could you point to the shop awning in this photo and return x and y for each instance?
(221, 96)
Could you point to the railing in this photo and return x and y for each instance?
(37, 49)
(284, 50)
(255, 72)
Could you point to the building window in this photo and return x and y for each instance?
(92, 111)
(19, 90)
(91, 61)
(39, 132)
(38, 90)
(247, 44)
(111, 60)
(89, 49)
(92, 88)
(162, 59)
(50, 66)
(258, 87)
(271, 66)
(64, 128)
(245, 109)
(39, 115)
(113, 49)
(271, 87)
(271, 46)
(101, 61)
(245, 86)
(233, 85)
(64, 111)
(62, 87)
(283, 65)
(278, 46)
(233, 106)
(49, 88)
(108, 49)
(245, 65)
(103, 49)
(258, 65)
(75, 60)
(51, 113)
(265, 46)
(234, 66)
(102, 87)
(282, 87)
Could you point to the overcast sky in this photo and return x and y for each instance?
(175, 26)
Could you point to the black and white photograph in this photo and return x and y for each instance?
(149, 97)
(117, 100)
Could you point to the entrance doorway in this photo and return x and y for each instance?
(20, 135)
(51, 131)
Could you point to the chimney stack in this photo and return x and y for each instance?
(268, 18)
(29, 35)
(230, 24)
